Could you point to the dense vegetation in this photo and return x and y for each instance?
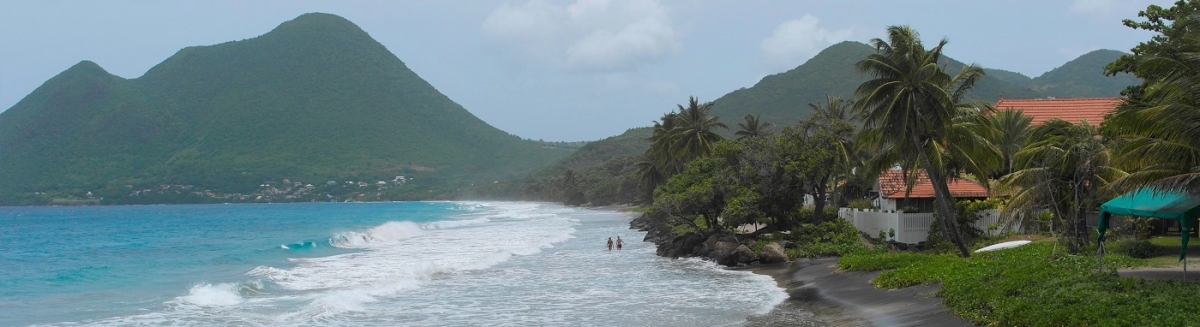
(316, 99)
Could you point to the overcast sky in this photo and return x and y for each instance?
(566, 70)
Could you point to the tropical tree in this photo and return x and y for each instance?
(662, 142)
(828, 137)
(753, 127)
(1158, 134)
(766, 177)
(697, 192)
(678, 138)
(1062, 169)
(1175, 37)
(1009, 131)
(909, 106)
(834, 108)
(695, 133)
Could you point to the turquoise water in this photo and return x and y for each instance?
(375, 264)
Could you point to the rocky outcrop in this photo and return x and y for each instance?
(724, 248)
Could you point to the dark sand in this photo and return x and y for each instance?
(822, 296)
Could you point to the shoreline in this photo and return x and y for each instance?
(819, 295)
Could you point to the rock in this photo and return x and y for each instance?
(712, 241)
(680, 246)
(723, 253)
(744, 254)
(773, 253)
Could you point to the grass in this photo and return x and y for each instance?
(1030, 286)
(1172, 242)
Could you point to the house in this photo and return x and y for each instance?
(1075, 110)
(891, 188)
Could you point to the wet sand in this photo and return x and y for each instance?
(819, 295)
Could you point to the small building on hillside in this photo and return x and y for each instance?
(890, 191)
(1075, 110)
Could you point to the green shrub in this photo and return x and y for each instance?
(1140, 249)
(832, 237)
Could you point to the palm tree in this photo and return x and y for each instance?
(834, 108)
(909, 108)
(1158, 135)
(1009, 132)
(661, 144)
(649, 177)
(678, 138)
(752, 127)
(1062, 170)
(695, 132)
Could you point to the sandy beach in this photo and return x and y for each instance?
(819, 295)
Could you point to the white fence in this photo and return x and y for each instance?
(913, 227)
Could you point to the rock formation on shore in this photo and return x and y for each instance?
(724, 248)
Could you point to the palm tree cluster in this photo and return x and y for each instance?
(679, 137)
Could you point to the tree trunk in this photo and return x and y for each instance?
(942, 192)
(819, 202)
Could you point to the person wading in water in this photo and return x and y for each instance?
(619, 242)
(610, 243)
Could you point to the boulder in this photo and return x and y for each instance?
(773, 253)
(744, 254)
(731, 254)
(680, 246)
(723, 253)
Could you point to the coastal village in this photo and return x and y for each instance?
(285, 190)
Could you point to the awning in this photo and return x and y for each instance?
(1144, 202)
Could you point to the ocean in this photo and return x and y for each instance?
(359, 264)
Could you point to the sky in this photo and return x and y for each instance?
(576, 70)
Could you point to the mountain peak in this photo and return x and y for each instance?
(86, 68)
(318, 23)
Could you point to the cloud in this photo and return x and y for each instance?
(588, 35)
(1092, 7)
(797, 40)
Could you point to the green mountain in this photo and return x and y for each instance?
(315, 99)
(782, 99)
(632, 142)
(1084, 78)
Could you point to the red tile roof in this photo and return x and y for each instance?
(892, 186)
(1071, 110)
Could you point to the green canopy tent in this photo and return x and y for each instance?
(1145, 202)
